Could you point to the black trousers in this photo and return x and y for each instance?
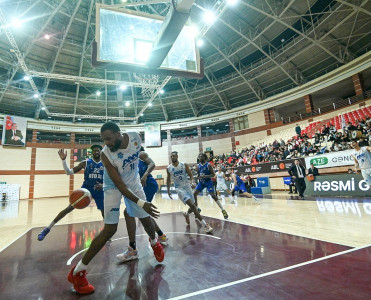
(300, 186)
(292, 187)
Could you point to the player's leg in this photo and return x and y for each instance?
(242, 188)
(59, 217)
(150, 190)
(193, 207)
(131, 252)
(366, 173)
(211, 191)
(77, 275)
(98, 196)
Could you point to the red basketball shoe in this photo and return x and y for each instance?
(158, 251)
(80, 283)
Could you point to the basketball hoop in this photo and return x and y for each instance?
(148, 84)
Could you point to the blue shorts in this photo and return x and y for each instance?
(151, 188)
(205, 184)
(97, 195)
(241, 187)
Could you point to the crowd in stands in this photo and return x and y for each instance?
(326, 139)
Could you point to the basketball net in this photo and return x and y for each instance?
(148, 83)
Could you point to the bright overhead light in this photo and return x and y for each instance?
(209, 17)
(36, 96)
(98, 93)
(43, 108)
(150, 104)
(78, 119)
(192, 30)
(127, 103)
(141, 115)
(26, 78)
(46, 36)
(162, 92)
(16, 23)
(200, 43)
(123, 87)
(232, 2)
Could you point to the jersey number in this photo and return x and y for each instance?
(132, 167)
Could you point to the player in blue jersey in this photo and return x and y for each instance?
(205, 173)
(93, 181)
(150, 186)
(239, 185)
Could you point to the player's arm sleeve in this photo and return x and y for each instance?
(116, 178)
(67, 168)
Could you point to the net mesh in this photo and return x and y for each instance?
(148, 83)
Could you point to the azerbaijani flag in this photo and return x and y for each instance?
(9, 122)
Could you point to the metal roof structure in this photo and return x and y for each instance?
(255, 49)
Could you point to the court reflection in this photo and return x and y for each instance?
(358, 208)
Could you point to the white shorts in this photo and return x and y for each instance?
(185, 193)
(366, 173)
(112, 201)
(221, 187)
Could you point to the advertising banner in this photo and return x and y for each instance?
(338, 185)
(152, 134)
(273, 167)
(14, 133)
(333, 159)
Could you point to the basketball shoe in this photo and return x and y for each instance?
(158, 251)
(80, 283)
(163, 239)
(256, 199)
(208, 228)
(43, 234)
(129, 254)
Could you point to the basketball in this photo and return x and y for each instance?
(80, 198)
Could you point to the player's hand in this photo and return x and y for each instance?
(62, 154)
(143, 181)
(151, 210)
(169, 193)
(193, 185)
(98, 186)
(293, 177)
(355, 171)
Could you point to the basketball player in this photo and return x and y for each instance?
(239, 185)
(93, 182)
(362, 160)
(205, 173)
(120, 158)
(178, 171)
(221, 185)
(150, 186)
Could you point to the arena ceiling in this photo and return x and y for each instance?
(255, 49)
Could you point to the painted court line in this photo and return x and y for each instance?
(13, 241)
(126, 237)
(266, 274)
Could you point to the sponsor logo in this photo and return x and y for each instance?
(130, 159)
(340, 185)
(120, 155)
(115, 209)
(282, 166)
(321, 161)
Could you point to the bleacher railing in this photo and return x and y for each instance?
(326, 109)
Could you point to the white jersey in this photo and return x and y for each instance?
(126, 161)
(220, 177)
(363, 157)
(179, 174)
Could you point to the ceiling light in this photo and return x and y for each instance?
(127, 103)
(78, 119)
(36, 96)
(26, 78)
(200, 43)
(162, 92)
(150, 104)
(98, 93)
(46, 36)
(123, 87)
(43, 108)
(141, 115)
(232, 2)
(17, 23)
(209, 17)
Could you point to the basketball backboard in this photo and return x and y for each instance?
(125, 38)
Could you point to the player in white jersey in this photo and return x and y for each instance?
(120, 157)
(221, 184)
(178, 171)
(362, 159)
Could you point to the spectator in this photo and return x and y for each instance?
(298, 130)
(313, 170)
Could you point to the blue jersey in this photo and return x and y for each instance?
(204, 170)
(143, 168)
(93, 172)
(239, 180)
